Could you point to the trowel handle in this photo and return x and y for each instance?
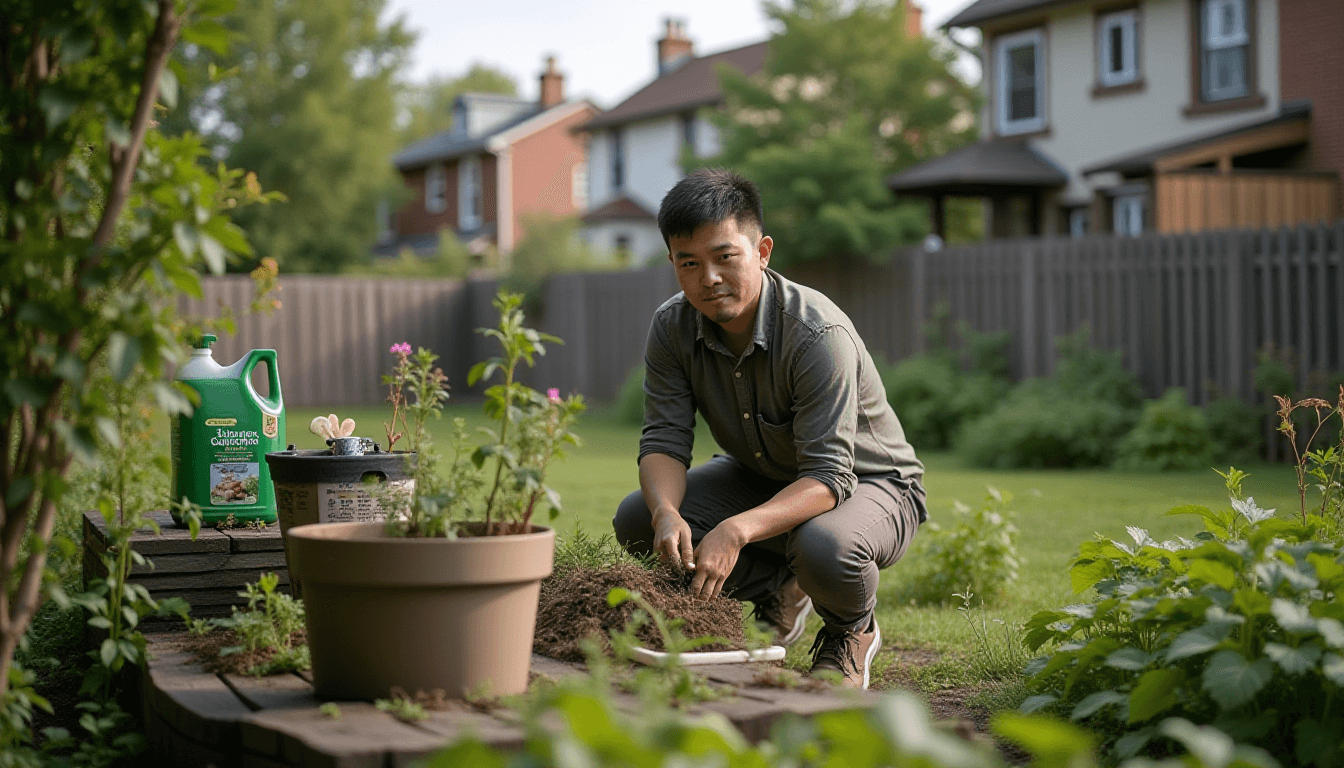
(273, 376)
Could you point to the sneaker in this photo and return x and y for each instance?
(785, 612)
(848, 653)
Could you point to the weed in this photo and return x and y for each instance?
(668, 679)
(402, 708)
(330, 709)
(998, 652)
(582, 550)
(269, 631)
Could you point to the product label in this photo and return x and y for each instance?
(352, 502)
(234, 483)
(220, 422)
(270, 425)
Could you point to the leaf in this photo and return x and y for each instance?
(213, 252)
(619, 595)
(168, 87)
(1292, 660)
(1154, 694)
(108, 652)
(1037, 702)
(186, 238)
(123, 354)
(1202, 639)
(1332, 666)
(27, 390)
(1332, 631)
(1211, 747)
(1213, 572)
(1049, 741)
(58, 103)
(1131, 659)
(1094, 702)
(19, 490)
(1129, 745)
(1294, 618)
(1233, 681)
(1317, 743)
(99, 622)
(1084, 574)
(208, 34)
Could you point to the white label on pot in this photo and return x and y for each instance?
(352, 503)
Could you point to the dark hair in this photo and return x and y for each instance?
(709, 196)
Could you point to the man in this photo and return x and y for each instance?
(819, 489)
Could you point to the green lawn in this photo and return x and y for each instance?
(1056, 510)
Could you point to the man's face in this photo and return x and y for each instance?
(720, 267)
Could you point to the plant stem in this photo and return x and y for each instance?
(503, 432)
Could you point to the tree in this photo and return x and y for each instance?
(305, 97)
(428, 108)
(103, 222)
(845, 99)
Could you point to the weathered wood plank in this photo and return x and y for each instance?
(284, 691)
(451, 724)
(362, 737)
(194, 702)
(253, 540)
(169, 540)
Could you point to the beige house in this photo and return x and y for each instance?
(1149, 115)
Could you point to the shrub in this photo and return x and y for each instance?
(1234, 430)
(1171, 434)
(976, 554)
(630, 402)
(1240, 628)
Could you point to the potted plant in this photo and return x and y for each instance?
(444, 597)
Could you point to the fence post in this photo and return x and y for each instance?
(1236, 316)
(1029, 309)
(919, 288)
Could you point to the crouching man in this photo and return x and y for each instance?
(819, 489)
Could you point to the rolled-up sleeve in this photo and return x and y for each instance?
(825, 410)
(669, 405)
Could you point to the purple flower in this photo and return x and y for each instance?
(553, 394)
(400, 349)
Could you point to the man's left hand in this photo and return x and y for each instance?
(715, 557)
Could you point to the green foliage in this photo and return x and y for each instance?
(1240, 628)
(330, 709)
(403, 708)
(1170, 434)
(845, 100)
(1075, 418)
(427, 108)
(1324, 466)
(630, 401)
(550, 246)
(452, 259)
(997, 652)
(533, 430)
(1234, 430)
(976, 553)
(667, 680)
(269, 629)
(304, 96)
(579, 549)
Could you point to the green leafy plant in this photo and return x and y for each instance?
(997, 652)
(1170, 434)
(1235, 430)
(268, 628)
(499, 484)
(1324, 466)
(330, 709)
(978, 551)
(580, 549)
(403, 708)
(630, 401)
(666, 679)
(1240, 628)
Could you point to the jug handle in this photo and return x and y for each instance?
(273, 376)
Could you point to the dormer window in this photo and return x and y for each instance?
(1020, 82)
(1118, 48)
(436, 189)
(469, 193)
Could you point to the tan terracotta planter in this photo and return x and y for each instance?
(422, 614)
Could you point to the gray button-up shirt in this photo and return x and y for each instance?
(803, 400)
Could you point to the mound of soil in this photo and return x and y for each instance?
(574, 606)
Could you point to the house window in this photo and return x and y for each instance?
(688, 131)
(578, 191)
(1224, 55)
(1079, 219)
(1118, 47)
(623, 250)
(1128, 215)
(617, 160)
(1020, 78)
(469, 193)
(436, 189)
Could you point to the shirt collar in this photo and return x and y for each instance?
(761, 329)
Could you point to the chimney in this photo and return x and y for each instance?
(552, 85)
(914, 20)
(674, 49)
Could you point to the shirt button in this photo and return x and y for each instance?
(746, 415)
(738, 374)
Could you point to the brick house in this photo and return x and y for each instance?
(1150, 115)
(503, 158)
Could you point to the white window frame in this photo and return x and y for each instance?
(1127, 214)
(470, 198)
(579, 185)
(1127, 22)
(1002, 46)
(436, 189)
(1214, 38)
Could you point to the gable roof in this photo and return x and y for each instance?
(449, 144)
(985, 10)
(982, 167)
(623, 208)
(693, 84)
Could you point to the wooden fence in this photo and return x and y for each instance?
(1186, 310)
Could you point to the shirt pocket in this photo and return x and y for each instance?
(777, 442)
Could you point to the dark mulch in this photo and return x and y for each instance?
(206, 649)
(574, 606)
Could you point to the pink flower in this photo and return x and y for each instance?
(400, 349)
(553, 394)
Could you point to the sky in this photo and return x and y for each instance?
(605, 48)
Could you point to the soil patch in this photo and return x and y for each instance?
(573, 606)
(206, 649)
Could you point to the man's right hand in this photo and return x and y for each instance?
(672, 539)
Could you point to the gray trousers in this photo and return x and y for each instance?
(835, 555)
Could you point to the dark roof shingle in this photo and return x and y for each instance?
(693, 84)
(979, 168)
(621, 209)
(984, 10)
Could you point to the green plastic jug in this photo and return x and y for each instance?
(219, 452)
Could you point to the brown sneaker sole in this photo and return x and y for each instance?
(872, 652)
(799, 623)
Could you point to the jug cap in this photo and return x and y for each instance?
(205, 341)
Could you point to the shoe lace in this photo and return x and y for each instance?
(834, 647)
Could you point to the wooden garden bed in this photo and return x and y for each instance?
(196, 718)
